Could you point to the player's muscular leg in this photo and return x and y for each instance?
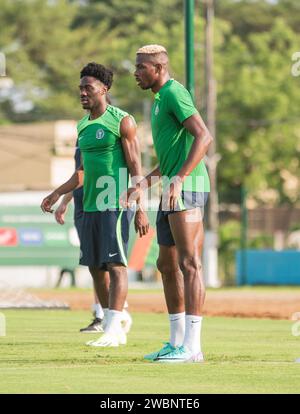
(101, 285)
(118, 286)
(188, 236)
(172, 278)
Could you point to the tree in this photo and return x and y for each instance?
(258, 125)
(46, 44)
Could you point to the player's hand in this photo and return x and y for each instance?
(60, 213)
(130, 197)
(48, 202)
(141, 223)
(174, 192)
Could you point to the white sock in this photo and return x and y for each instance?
(126, 315)
(192, 339)
(113, 324)
(98, 310)
(105, 314)
(177, 324)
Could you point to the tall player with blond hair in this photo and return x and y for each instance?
(181, 141)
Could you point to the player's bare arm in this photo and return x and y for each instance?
(131, 150)
(202, 139)
(74, 182)
(135, 193)
(62, 208)
(148, 180)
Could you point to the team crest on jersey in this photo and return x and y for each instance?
(156, 109)
(100, 133)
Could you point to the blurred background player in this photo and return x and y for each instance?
(110, 151)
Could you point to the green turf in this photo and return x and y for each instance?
(43, 353)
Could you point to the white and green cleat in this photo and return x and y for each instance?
(166, 349)
(109, 340)
(180, 354)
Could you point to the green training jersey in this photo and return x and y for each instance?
(172, 142)
(104, 164)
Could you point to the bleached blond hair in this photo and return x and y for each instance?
(151, 50)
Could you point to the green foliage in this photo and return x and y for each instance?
(258, 127)
(229, 243)
(250, 16)
(41, 53)
(261, 241)
(46, 43)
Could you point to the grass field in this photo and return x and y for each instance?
(44, 353)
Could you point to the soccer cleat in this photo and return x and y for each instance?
(94, 327)
(126, 322)
(180, 354)
(106, 340)
(166, 349)
(122, 338)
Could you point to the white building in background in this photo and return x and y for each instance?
(36, 156)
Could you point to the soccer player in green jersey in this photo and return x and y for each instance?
(181, 140)
(110, 151)
(100, 313)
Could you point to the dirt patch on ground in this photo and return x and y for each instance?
(276, 305)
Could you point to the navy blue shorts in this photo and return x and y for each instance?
(189, 200)
(78, 219)
(104, 237)
(78, 210)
